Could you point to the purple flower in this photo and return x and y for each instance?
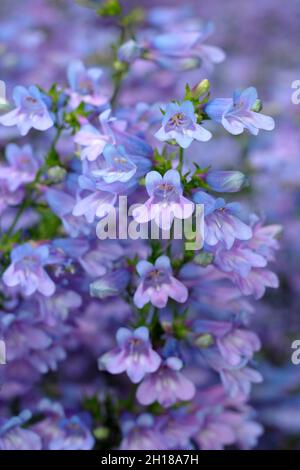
(118, 166)
(214, 431)
(7, 197)
(31, 111)
(158, 284)
(92, 141)
(141, 434)
(27, 270)
(181, 50)
(237, 379)
(177, 427)
(134, 355)
(14, 437)
(167, 385)
(221, 221)
(256, 281)
(180, 123)
(60, 432)
(165, 202)
(239, 259)
(73, 225)
(236, 113)
(235, 344)
(22, 166)
(84, 85)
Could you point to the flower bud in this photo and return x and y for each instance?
(201, 90)
(225, 181)
(129, 51)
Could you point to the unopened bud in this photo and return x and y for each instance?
(201, 90)
(257, 107)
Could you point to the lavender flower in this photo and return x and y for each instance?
(134, 355)
(92, 141)
(22, 166)
(27, 270)
(31, 111)
(237, 114)
(221, 221)
(180, 123)
(167, 385)
(141, 434)
(165, 202)
(84, 85)
(158, 284)
(14, 437)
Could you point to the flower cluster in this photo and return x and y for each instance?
(145, 334)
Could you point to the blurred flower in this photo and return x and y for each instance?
(27, 270)
(237, 114)
(22, 166)
(14, 437)
(31, 111)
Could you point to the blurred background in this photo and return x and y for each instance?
(39, 38)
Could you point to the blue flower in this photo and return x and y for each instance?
(236, 113)
(180, 123)
(31, 111)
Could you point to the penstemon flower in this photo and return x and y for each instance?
(180, 123)
(158, 284)
(166, 200)
(31, 111)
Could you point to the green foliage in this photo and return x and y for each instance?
(110, 8)
(47, 227)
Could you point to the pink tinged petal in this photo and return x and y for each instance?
(200, 133)
(261, 121)
(232, 125)
(153, 361)
(45, 286)
(9, 276)
(159, 296)
(42, 123)
(164, 216)
(177, 291)
(187, 208)
(147, 391)
(141, 297)
(91, 153)
(10, 119)
(143, 213)
(185, 388)
(87, 207)
(114, 361)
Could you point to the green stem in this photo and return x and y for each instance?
(181, 156)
